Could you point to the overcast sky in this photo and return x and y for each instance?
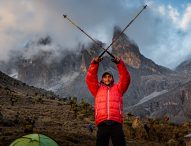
(162, 32)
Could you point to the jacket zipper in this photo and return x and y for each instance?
(96, 112)
(108, 103)
(120, 108)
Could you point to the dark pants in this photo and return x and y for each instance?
(113, 130)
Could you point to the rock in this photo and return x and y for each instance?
(8, 123)
(1, 117)
(172, 142)
(137, 123)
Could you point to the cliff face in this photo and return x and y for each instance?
(126, 49)
(174, 103)
(129, 52)
(38, 72)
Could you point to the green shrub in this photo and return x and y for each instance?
(127, 122)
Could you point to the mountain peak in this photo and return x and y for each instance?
(126, 49)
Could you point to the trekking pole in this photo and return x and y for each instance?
(116, 38)
(66, 17)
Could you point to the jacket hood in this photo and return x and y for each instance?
(105, 73)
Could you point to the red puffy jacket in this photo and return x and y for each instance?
(108, 99)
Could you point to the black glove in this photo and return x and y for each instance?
(116, 60)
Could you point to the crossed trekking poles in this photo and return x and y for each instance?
(114, 40)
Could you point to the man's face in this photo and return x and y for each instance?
(107, 79)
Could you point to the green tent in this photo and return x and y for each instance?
(34, 140)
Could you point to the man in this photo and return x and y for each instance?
(90, 127)
(108, 102)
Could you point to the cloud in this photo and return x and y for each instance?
(16, 25)
(172, 37)
(162, 10)
(173, 13)
(21, 20)
(182, 21)
(162, 29)
(186, 19)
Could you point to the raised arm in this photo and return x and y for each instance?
(92, 78)
(124, 76)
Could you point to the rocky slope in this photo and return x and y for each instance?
(66, 121)
(175, 104)
(11, 87)
(25, 109)
(184, 67)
